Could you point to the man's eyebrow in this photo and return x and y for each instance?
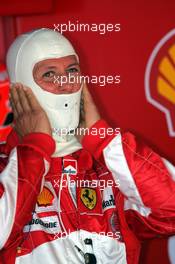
(50, 67)
(73, 64)
(54, 67)
(46, 68)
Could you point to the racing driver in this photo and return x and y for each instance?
(66, 198)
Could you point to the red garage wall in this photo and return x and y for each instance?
(125, 53)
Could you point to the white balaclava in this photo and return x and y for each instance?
(63, 110)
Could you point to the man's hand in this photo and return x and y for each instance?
(29, 116)
(89, 113)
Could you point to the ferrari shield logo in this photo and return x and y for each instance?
(89, 197)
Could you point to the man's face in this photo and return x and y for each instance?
(53, 75)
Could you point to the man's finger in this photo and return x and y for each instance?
(34, 104)
(86, 94)
(13, 109)
(82, 112)
(15, 99)
(23, 98)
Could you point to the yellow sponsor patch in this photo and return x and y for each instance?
(89, 197)
(45, 198)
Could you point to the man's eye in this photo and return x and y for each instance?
(49, 74)
(72, 70)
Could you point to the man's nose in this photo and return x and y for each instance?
(65, 84)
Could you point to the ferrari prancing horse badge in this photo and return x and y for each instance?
(89, 197)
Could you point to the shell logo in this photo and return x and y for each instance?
(160, 79)
(45, 198)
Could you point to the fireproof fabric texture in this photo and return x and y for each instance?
(128, 196)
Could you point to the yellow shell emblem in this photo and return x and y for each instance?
(89, 197)
(45, 197)
(166, 79)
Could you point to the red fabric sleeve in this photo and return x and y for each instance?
(33, 154)
(146, 180)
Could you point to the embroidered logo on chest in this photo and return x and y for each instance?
(89, 197)
(108, 199)
(48, 224)
(70, 166)
(45, 198)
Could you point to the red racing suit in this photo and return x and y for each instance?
(102, 200)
